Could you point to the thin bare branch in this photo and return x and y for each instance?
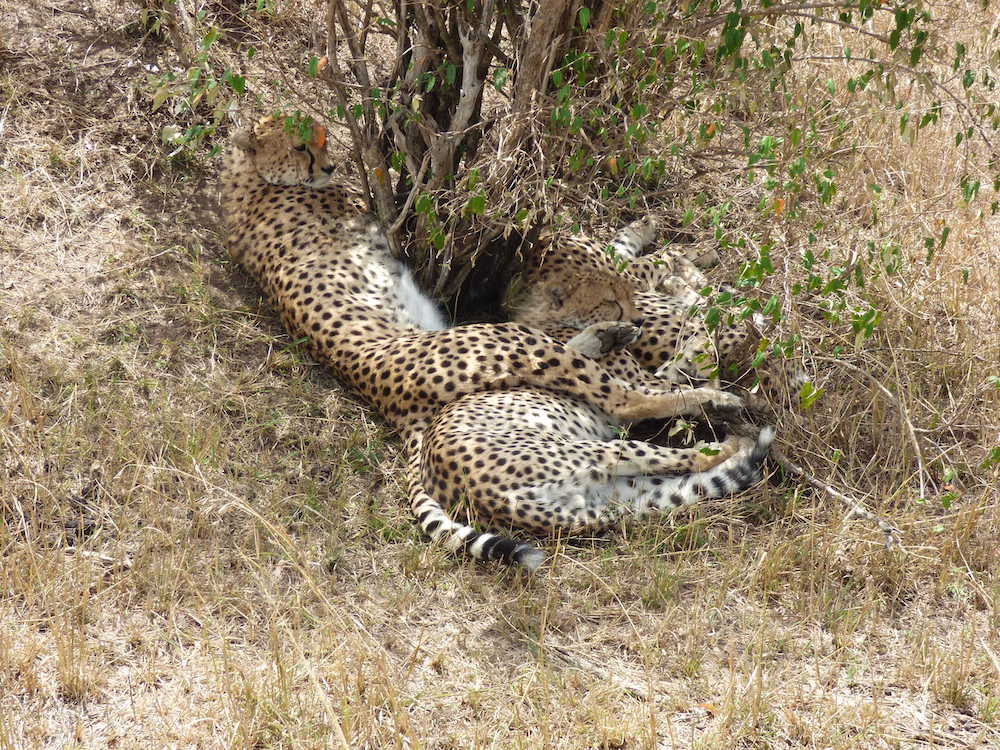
(904, 415)
(418, 182)
(336, 83)
(853, 506)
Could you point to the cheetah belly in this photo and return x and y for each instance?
(537, 412)
(417, 307)
(388, 283)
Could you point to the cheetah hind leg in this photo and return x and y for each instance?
(587, 508)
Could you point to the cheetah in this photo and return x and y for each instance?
(577, 281)
(324, 262)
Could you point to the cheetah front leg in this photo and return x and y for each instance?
(676, 403)
(601, 339)
(628, 400)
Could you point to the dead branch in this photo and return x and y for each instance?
(180, 28)
(405, 210)
(856, 510)
(335, 78)
(537, 54)
(365, 146)
(904, 415)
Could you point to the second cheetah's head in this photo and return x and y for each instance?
(577, 300)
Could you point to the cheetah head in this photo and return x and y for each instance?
(282, 156)
(577, 300)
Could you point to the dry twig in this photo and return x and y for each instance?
(903, 415)
(855, 508)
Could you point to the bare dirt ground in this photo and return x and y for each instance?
(202, 542)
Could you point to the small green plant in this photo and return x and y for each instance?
(200, 97)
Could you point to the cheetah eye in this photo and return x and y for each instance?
(301, 147)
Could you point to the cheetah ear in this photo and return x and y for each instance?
(245, 139)
(319, 137)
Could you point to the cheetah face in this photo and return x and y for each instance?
(578, 300)
(284, 158)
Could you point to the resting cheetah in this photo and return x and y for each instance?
(322, 259)
(540, 461)
(577, 281)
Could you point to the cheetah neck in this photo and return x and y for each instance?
(322, 259)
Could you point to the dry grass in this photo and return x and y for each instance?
(202, 542)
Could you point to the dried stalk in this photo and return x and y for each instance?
(855, 508)
(903, 415)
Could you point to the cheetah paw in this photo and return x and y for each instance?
(712, 398)
(603, 338)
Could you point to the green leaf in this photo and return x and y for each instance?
(209, 39)
(584, 16)
(160, 96)
(809, 395)
(476, 205)
(500, 76)
(236, 83)
(423, 204)
(970, 189)
(959, 56)
(944, 236)
(313, 66)
(992, 458)
(712, 318)
(773, 308)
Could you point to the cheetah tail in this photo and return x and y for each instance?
(455, 536)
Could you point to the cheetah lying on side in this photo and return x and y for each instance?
(325, 264)
(577, 282)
